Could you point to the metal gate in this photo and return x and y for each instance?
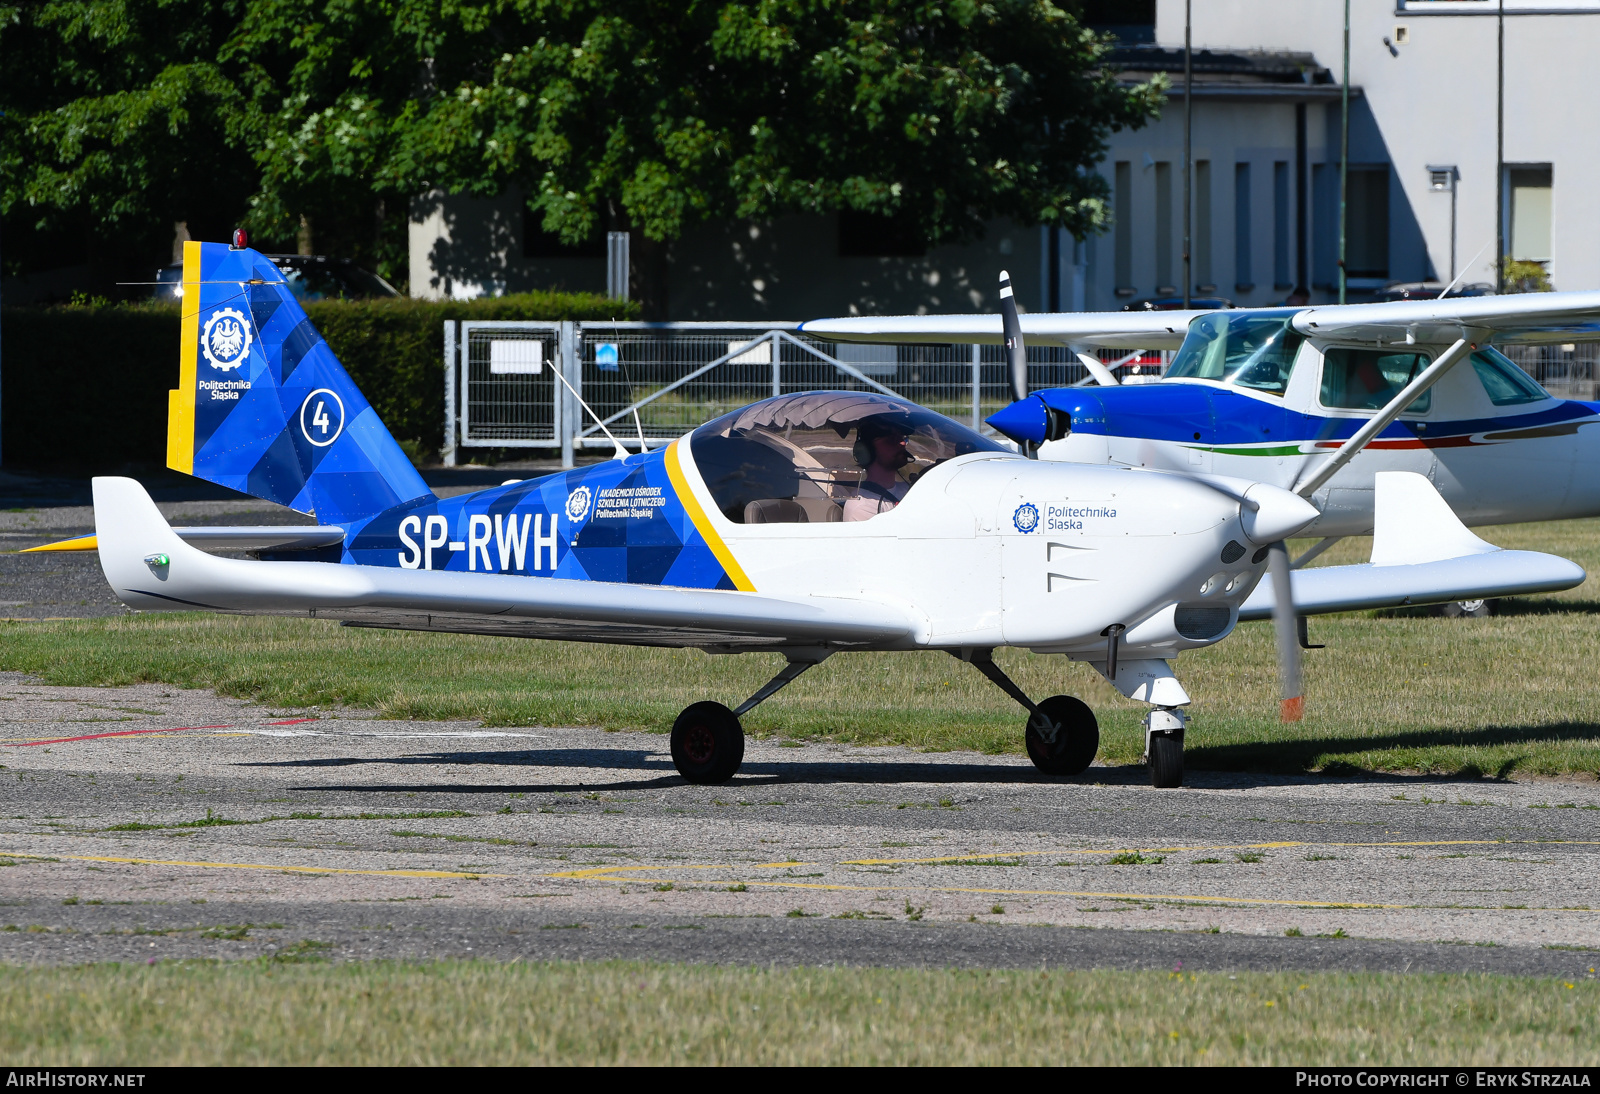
(570, 386)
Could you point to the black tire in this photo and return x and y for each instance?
(1077, 738)
(707, 744)
(1166, 760)
(1468, 609)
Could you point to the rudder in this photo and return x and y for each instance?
(264, 407)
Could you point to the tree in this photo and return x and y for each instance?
(650, 115)
(653, 115)
(117, 122)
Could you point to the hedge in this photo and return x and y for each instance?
(85, 387)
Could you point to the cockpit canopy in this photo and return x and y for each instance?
(1253, 349)
(796, 458)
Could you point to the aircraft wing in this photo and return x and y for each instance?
(1521, 318)
(151, 568)
(1421, 554)
(1109, 330)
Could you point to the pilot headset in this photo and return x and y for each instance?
(862, 451)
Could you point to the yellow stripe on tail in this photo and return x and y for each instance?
(77, 543)
(180, 403)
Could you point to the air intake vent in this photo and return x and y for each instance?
(1200, 621)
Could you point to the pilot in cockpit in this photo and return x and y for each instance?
(880, 449)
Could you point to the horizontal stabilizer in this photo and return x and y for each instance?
(220, 538)
(1421, 554)
(151, 568)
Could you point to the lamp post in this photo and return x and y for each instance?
(1344, 156)
(1500, 156)
(1188, 162)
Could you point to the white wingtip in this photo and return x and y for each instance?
(1412, 523)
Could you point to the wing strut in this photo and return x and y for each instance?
(1380, 421)
(799, 661)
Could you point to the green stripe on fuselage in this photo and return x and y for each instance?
(1274, 450)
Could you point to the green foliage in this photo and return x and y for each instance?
(646, 114)
(1524, 276)
(85, 384)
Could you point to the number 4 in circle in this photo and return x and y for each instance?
(322, 417)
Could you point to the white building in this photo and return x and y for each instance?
(1265, 147)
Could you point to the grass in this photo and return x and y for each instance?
(1395, 691)
(299, 1011)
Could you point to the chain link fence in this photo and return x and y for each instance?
(519, 384)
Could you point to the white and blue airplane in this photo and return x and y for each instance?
(807, 525)
(1316, 400)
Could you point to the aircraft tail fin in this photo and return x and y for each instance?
(264, 407)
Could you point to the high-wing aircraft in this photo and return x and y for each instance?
(807, 524)
(1317, 400)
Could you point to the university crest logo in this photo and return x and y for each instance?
(226, 339)
(1026, 518)
(578, 504)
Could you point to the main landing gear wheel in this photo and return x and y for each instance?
(1077, 736)
(1166, 760)
(707, 744)
(1468, 609)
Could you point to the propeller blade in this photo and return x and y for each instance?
(1293, 705)
(1016, 353)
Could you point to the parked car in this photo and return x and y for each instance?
(1175, 303)
(310, 277)
(1427, 290)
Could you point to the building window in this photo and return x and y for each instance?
(1530, 213)
(866, 235)
(1131, 21)
(1366, 237)
(1164, 284)
(1325, 226)
(1243, 269)
(1280, 225)
(1203, 280)
(1122, 210)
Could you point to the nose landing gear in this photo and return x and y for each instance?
(1163, 747)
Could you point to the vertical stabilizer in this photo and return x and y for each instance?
(264, 407)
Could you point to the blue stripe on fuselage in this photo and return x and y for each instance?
(1176, 411)
(618, 521)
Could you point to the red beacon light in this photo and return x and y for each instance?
(241, 239)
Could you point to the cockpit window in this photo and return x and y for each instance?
(824, 456)
(1506, 384)
(1252, 349)
(1367, 379)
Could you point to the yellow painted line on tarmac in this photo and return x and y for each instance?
(254, 866)
(615, 873)
(984, 856)
(783, 883)
(602, 871)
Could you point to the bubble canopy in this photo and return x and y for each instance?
(794, 459)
